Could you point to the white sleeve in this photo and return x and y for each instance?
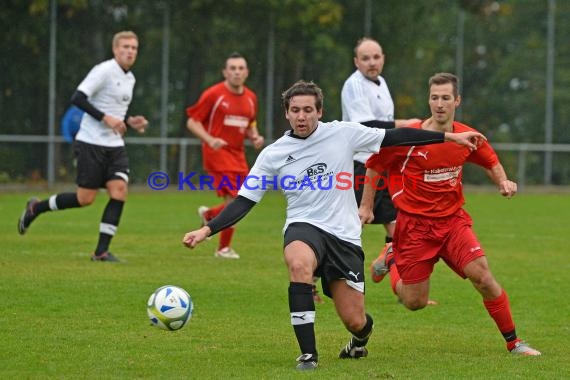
(355, 105)
(261, 178)
(362, 138)
(94, 81)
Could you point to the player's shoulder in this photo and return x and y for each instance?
(461, 127)
(214, 91)
(353, 79)
(249, 92)
(216, 88)
(105, 66)
(336, 126)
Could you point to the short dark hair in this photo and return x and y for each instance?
(303, 88)
(233, 55)
(445, 78)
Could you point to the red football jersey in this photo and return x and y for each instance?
(426, 180)
(227, 116)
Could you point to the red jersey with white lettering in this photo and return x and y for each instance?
(427, 180)
(227, 116)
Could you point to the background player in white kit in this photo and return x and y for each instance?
(322, 230)
(366, 99)
(102, 162)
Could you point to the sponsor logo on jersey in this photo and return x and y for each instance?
(442, 174)
(236, 121)
(315, 169)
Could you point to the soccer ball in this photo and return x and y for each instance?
(169, 307)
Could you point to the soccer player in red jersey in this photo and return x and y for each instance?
(426, 186)
(223, 117)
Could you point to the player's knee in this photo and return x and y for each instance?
(355, 322)
(299, 270)
(85, 200)
(415, 304)
(486, 283)
(119, 192)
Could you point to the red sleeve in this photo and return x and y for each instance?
(200, 110)
(253, 122)
(375, 162)
(384, 159)
(484, 156)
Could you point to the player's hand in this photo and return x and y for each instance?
(406, 123)
(193, 238)
(508, 188)
(117, 125)
(217, 143)
(469, 139)
(258, 141)
(138, 123)
(365, 214)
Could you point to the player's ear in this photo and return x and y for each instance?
(457, 101)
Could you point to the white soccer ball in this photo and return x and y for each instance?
(169, 307)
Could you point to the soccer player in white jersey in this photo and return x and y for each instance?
(102, 162)
(366, 99)
(322, 230)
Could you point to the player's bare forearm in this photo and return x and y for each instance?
(117, 125)
(406, 123)
(367, 202)
(256, 139)
(199, 131)
(506, 187)
(469, 139)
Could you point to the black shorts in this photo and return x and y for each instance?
(98, 164)
(384, 210)
(336, 258)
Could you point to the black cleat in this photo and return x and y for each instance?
(28, 216)
(105, 256)
(307, 362)
(353, 352)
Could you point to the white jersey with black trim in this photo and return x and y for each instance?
(364, 100)
(110, 89)
(315, 175)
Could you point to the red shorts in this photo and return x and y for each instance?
(419, 242)
(227, 183)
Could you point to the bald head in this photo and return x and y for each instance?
(369, 58)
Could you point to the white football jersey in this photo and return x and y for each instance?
(364, 100)
(110, 89)
(315, 175)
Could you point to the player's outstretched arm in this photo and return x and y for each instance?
(231, 214)
(413, 136)
(469, 139)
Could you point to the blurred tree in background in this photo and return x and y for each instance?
(503, 72)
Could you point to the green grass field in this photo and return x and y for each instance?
(65, 317)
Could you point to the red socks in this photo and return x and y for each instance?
(225, 235)
(500, 310)
(394, 277)
(214, 211)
